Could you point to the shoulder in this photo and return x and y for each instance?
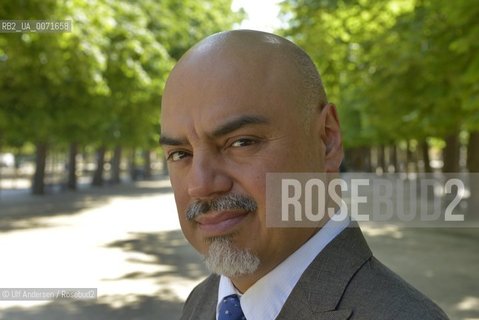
(202, 299)
(378, 293)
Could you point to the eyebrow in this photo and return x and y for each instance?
(224, 129)
(168, 141)
(238, 123)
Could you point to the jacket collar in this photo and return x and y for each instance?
(321, 287)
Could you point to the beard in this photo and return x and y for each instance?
(225, 259)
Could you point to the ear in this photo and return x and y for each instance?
(331, 137)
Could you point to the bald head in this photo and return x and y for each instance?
(269, 60)
(237, 106)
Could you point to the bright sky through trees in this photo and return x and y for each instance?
(261, 15)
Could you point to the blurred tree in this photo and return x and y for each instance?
(180, 24)
(136, 68)
(400, 70)
(29, 71)
(340, 36)
(84, 84)
(99, 85)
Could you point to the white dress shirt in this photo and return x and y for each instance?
(265, 299)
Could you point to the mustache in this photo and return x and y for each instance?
(223, 203)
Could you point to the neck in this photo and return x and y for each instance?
(244, 282)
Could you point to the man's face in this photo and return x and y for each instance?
(226, 122)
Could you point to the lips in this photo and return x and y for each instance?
(217, 223)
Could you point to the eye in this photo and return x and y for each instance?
(243, 142)
(177, 155)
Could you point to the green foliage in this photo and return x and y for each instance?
(398, 69)
(179, 24)
(100, 84)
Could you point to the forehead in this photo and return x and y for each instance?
(206, 90)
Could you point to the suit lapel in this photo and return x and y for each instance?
(298, 307)
(204, 308)
(321, 287)
(208, 305)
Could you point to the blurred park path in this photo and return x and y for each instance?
(125, 240)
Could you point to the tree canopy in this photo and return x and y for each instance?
(398, 69)
(101, 83)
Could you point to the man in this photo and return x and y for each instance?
(238, 105)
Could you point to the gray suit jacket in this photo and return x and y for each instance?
(343, 282)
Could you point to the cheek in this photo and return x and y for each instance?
(187, 227)
(252, 180)
(180, 189)
(182, 201)
(190, 231)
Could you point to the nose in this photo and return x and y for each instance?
(207, 177)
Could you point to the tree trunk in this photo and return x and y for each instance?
(425, 156)
(132, 165)
(473, 167)
(147, 164)
(116, 165)
(473, 152)
(408, 156)
(100, 161)
(369, 161)
(350, 159)
(382, 158)
(72, 166)
(414, 158)
(450, 154)
(38, 183)
(394, 157)
(1, 177)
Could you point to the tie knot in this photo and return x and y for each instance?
(230, 308)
